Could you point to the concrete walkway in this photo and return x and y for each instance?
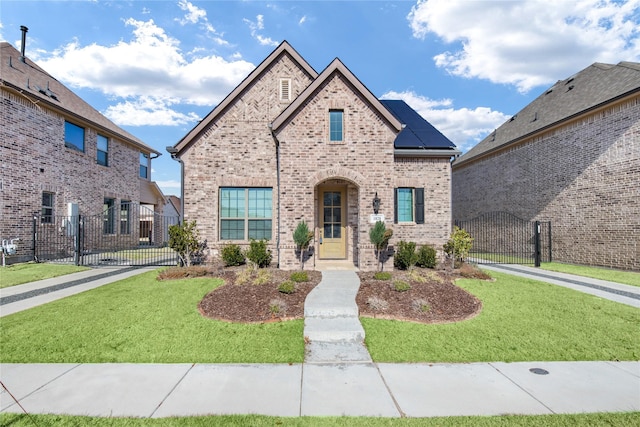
(337, 378)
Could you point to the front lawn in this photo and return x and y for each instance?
(18, 274)
(521, 320)
(142, 320)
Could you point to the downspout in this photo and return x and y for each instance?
(277, 144)
(174, 155)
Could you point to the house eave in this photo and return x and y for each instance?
(420, 152)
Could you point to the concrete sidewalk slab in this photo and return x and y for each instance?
(425, 390)
(23, 379)
(345, 390)
(599, 386)
(106, 390)
(236, 389)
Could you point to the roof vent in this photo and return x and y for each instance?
(570, 87)
(513, 118)
(535, 117)
(568, 81)
(24, 42)
(548, 92)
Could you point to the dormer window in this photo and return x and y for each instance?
(285, 90)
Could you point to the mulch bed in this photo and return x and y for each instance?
(432, 298)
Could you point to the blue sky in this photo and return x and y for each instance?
(157, 67)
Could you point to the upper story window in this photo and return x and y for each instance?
(336, 125)
(144, 166)
(285, 89)
(47, 208)
(102, 158)
(73, 136)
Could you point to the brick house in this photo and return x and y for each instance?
(571, 157)
(56, 150)
(290, 144)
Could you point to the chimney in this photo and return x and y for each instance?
(24, 42)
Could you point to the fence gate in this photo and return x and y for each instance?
(128, 234)
(503, 238)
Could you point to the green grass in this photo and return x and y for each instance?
(521, 320)
(18, 274)
(142, 320)
(605, 419)
(618, 276)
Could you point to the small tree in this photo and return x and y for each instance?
(185, 240)
(379, 236)
(458, 246)
(302, 237)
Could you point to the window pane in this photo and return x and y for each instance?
(103, 143)
(337, 215)
(232, 202)
(327, 215)
(47, 208)
(73, 136)
(337, 231)
(232, 229)
(109, 216)
(405, 205)
(102, 158)
(327, 231)
(335, 125)
(260, 229)
(259, 203)
(125, 217)
(144, 166)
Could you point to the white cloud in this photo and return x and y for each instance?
(149, 67)
(194, 13)
(255, 27)
(464, 127)
(529, 43)
(302, 20)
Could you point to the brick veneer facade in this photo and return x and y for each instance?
(238, 149)
(583, 176)
(35, 160)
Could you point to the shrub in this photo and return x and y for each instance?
(299, 276)
(263, 277)
(416, 276)
(232, 255)
(258, 253)
(426, 257)
(420, 305)
(459, 245)
(382, 275)
(185, 240)
(377, 304)
(302, 237)
(287, 287)
(405, 256)
(401, 286)
(243, 277)
(379, 236)
(277, 307)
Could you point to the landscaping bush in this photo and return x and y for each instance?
(299, 276)
(458, 246)
(377, 304)
(401, 286)
(258, 253)
(426, 257)
(420, 305)
(185, 240)
(277, 307)
(382, 275)
(405, 256)
(287, 287)
(232, 255)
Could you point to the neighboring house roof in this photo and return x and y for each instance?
(175, 202)
(417, 132)
(283, 48)
(589, 89)
(28, 80)
(336, 66)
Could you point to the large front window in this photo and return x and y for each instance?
(73, 136)
(245, 213)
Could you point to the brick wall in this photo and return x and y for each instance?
(584, 177)
(34, 159)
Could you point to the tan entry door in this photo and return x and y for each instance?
(332, 224)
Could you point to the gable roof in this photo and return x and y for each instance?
(283, 48)
(589, 89)
(417, 133)
(336, 66)
(28, 80)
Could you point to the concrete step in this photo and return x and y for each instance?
(331, 310)
(336, 352)
(333, 329)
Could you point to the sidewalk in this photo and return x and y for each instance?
(333, 381)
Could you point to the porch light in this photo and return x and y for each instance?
(376, 203)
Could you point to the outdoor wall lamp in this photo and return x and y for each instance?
(376, 203)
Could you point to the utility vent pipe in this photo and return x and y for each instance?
(24, 42)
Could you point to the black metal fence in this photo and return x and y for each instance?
(503, 238)
(124, 235)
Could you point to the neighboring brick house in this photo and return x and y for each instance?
(57, 149)
(571, 157)
(289, 144)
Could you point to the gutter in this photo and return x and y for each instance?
(277, 145)
(426, 153)
(174, 155)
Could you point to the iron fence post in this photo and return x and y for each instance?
(550, 252)
(77, 240)
(34, 235)
(538, 251)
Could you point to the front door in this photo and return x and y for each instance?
(333, 237)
